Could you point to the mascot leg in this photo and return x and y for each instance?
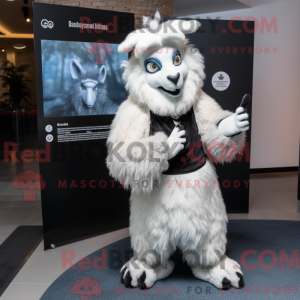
(149, 241)
(213, 265)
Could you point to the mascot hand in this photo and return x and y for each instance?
(176, 141)
(235, 123)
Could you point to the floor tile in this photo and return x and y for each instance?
(31, 291)
(6, 231)
(252, 215)
(279, 215)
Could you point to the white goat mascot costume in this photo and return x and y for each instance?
(166, 113)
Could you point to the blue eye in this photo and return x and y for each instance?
(177, 58)
(152, 65)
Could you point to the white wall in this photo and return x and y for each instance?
(276, 83)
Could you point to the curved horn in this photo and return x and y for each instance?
(148, 20)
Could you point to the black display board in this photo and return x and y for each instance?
(79, 198)
(228, 48)
(298, 202)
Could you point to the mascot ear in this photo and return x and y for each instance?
(102, 74)
(135, 37)
(76, 69)
(130, 42)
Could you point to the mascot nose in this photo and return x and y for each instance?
(174, 78)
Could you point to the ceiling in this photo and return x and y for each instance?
(12, 21)
(197, 7)
(12, 18)
(7, 44)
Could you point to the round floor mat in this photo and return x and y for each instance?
(268, 252)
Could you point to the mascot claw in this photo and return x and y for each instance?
(137, 273)
(223, 275)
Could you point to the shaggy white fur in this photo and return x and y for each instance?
(126, 150)
(185, 211)
(141, 92)
(218, 143)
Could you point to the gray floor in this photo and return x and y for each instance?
(272, 196)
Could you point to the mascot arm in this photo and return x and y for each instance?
(136, 159)
(218, 140)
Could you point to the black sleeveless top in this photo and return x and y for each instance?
(192, 156)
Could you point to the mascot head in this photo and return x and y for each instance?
(164, 72)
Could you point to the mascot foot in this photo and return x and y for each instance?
(224, 274)
(136, 273)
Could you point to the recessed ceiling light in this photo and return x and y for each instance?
(2, 50)
(25, 11)
(19, 46)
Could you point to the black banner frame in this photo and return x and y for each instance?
(228, 46)
(75, 213)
